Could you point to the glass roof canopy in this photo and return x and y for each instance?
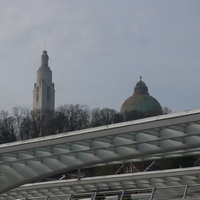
(165, 136)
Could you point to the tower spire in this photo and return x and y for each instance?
(44, 92)
(44, 59)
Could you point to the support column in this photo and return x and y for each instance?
(152, 194)
(185, 192)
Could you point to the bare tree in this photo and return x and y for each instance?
(23, 123)
(166, 110)
(72, 117)
(38, 122)
(7, 128)
(104, 116)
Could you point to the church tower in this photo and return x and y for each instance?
(44, 92)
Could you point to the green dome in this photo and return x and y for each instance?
(141, 103)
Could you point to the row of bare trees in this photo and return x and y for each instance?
(24, 124)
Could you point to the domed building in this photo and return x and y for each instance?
(140, 104)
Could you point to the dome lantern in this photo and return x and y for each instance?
(141, 87)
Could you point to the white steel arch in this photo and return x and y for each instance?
(169, 184)
(147, 139)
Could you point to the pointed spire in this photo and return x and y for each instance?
(44, 59)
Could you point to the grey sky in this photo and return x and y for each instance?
(99, 49)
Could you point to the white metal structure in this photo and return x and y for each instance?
(176, 183)
(147, 139)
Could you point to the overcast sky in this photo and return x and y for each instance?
(98, 49)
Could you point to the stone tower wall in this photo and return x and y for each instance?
(44, 92)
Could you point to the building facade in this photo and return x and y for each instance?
(44, 92)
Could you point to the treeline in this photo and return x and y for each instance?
(23, 124)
